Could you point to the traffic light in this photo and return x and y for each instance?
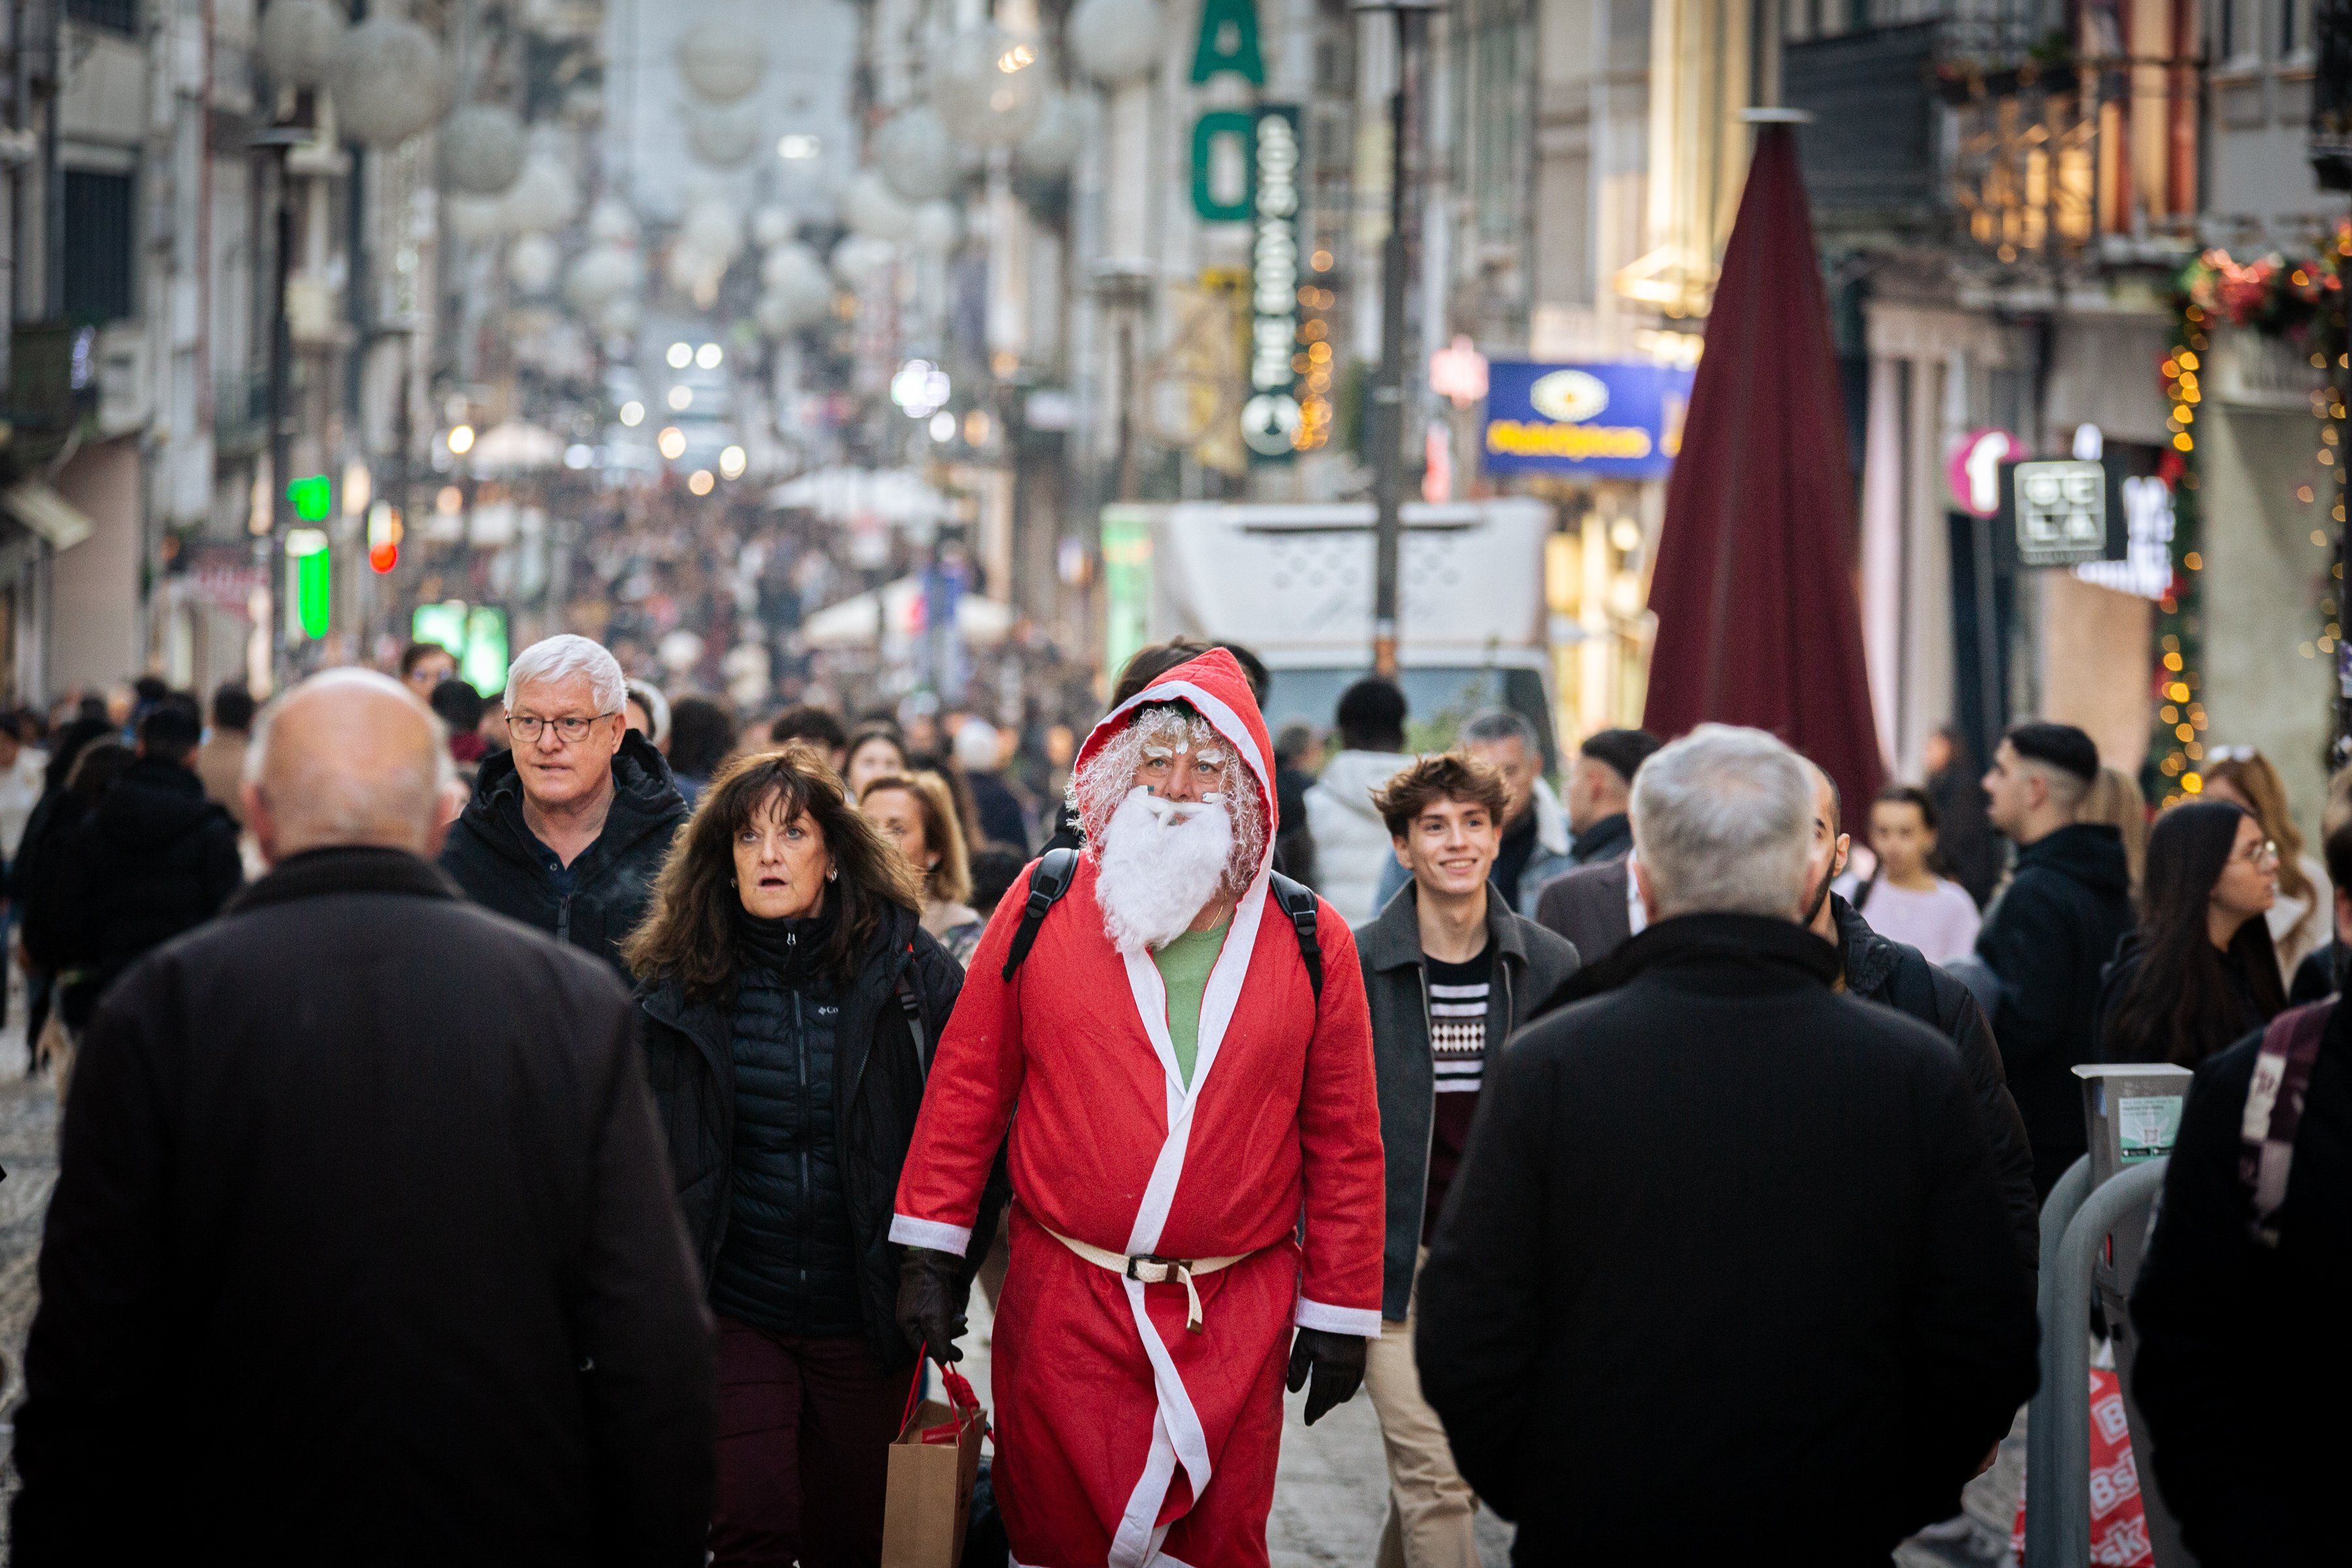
(384, 536)
(312, 498)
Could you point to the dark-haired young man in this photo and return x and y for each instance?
(220, 761)
(1351, 845)
(2048, 937)
(153, 859)
(1449, 971)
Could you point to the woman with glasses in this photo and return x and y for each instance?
(2199, 974)
(791, 1000)
(2304, 919)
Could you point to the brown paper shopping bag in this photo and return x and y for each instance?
(934, 1460)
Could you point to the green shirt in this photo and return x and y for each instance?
(1184, 966)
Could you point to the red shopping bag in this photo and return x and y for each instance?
(2118, 1518)
(934, 1460)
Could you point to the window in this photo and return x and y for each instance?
(99, 246)
(2225, 30)
(2294, 15)
(120, 16)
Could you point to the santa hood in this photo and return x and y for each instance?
(1214, 687)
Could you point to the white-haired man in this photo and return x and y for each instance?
(1723, 1232)
(1189, 1089)
(364, 1244)
(567, 829)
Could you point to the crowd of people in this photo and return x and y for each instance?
(559, 1124)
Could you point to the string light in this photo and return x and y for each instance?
(2174, 747)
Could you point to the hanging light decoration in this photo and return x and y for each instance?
(602, 274)
(724, 138)
(861, 259)
(533, 262)
(722, 58)
(389, 82)
(482, 149)
(771, 226)
(611, 222)
(989, 86)
(713, 230)
(796, 290)
(1053, 145)
(300, 41)
(1116, 41)
(915, 157)
(544, 196)
(474, 217)
(620, 318)
(937, 227)
(869, 207)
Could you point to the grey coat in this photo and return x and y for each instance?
(1531, 964)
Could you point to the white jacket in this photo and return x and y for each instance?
(1352, 842)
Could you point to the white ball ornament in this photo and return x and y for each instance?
(989, 86)
(300, 41)
(390, 82)
(533, 262)
(1053, 145)
(1116, 41)
(722, 58)
(869, 207)
(915, 155)
(482, 149)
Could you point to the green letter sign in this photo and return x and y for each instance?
(1228, 42)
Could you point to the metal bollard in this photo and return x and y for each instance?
(2058, 1423)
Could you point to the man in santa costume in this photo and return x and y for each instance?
(1184, 1103)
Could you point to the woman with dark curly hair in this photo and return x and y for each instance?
(2199, 974)
(792, 999)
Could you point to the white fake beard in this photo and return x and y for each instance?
(1162, 861)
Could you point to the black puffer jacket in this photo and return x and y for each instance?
(788, 1263)
(495, 858)
(153, 859)
(2048, 938)
(878, 1075)
(1881, 969)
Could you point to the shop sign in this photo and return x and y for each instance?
(1228, 42)
(1973, 473)
(1271, 413)
(2145, 568)
(1606, 420)
(2063, 511)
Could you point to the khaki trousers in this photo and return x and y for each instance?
(1430, 1507)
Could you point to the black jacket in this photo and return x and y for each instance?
(1610, 838)
(2243, 1363)
(499, 863)
(153, 859)
(1530, 964)
(1963, 837)
(2048, 938)
(2320, 974)
(362, 1250)
(2123, 972)
(880, 1076)
(1883, 970)
(1723, 1234)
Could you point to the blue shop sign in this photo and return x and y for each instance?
(1605, 421)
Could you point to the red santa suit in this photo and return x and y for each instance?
(1123, 1437)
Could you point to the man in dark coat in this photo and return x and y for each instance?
(1881, 969)
(1594, 907)
(154, 857)
(2243, 1362)
(2049, 936)
(1449, 971)
(362, 1246)
(1767, 1270)
(568, 830)
(1599, 785)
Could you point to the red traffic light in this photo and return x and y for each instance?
(383, 557)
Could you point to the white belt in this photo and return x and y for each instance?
(1148, 1269)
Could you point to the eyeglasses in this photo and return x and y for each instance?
(528, 727)
(2262, 854)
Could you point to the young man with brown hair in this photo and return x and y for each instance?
(1449, 970)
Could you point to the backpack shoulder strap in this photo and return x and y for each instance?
(912, 1006)
(1048, 881)
(1298, 901)
(2273, 1111)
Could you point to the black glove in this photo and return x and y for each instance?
(930, 1303)
(1335, 1360)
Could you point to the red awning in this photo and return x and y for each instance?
(1754, 588)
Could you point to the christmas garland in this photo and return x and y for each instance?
(2301, 301)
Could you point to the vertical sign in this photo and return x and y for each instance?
(1271, 416)
(1127, 582)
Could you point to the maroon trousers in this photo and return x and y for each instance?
(804, 1430)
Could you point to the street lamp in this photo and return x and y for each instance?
(1388, 386)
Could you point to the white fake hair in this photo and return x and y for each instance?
(563, 656)
(1723, 823)
(1099, 785)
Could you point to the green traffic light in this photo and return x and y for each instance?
(314, 497)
